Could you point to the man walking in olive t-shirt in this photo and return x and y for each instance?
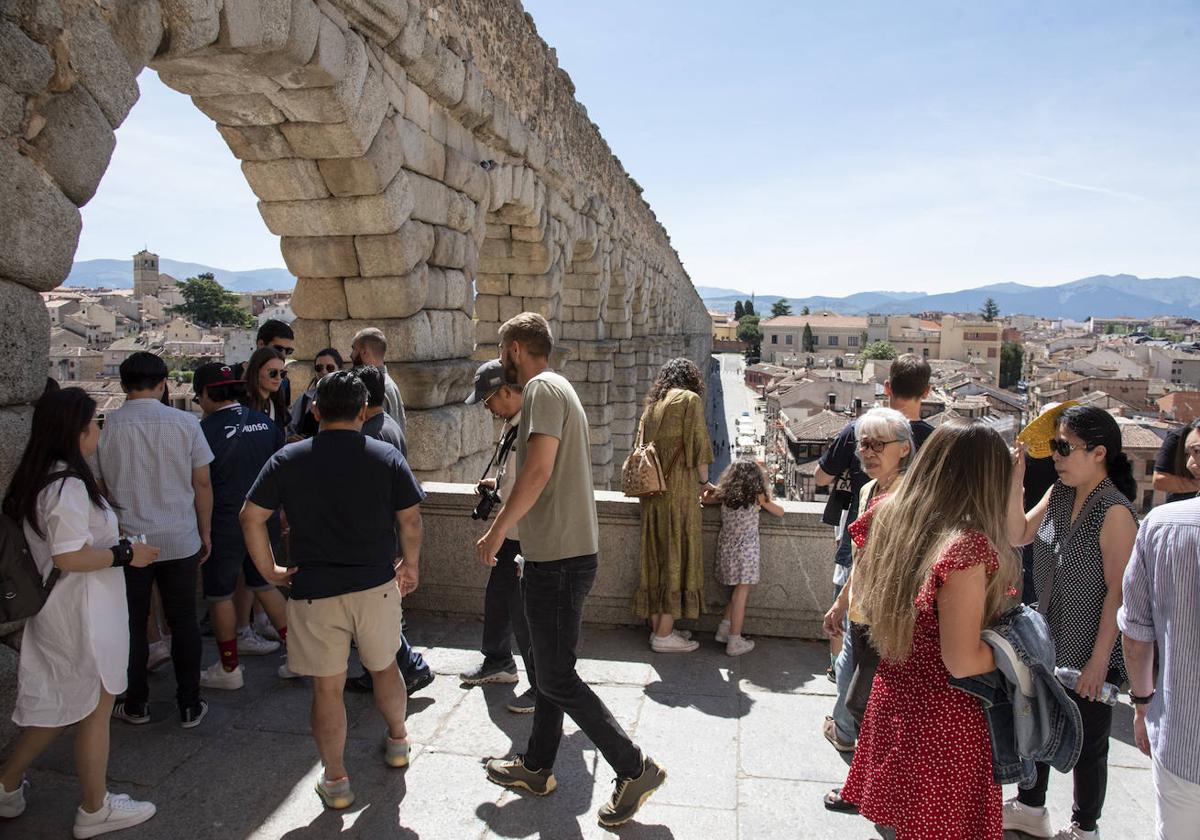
(554, 502)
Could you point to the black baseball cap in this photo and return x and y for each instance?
(211, 374)
(488, 378)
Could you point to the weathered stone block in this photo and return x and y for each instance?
(440, 73)
(627, 410)
(431, 200)
(216, 84)
(254, 26)
(534, 285)
(191, 24)
(426, 336)
(395, 253)
(461, 214)
(470, 109)
(39, 226)
(435, 436)
(434, 384)
(255, 142)
(370, 173)
(487, 336)
(597, 351)
(449, 248)
(137, 26)
(288, 179)
(328, 65)
(12, 111)
(239, 109)
(600, 371)
(592, 393)
(351, 138)
(598, 415)
(583, 330)
(387, 297)
(538, 262)
(312, 336)
(320, 297)
(510, 307)
(575, 370)
(25, 65)
(101, 66)
(75, 144)
(335, 103)
(422, 153)
(487, 308)
(24, 343)
(546, 307)
(624, 359)
(599, 435)
(381, 19)
(625, 376)
(416, 105)
(448, 289)
(341, 216)
(320, 256)
(15, 423)
(491, 284)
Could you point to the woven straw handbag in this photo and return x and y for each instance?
(642, 474)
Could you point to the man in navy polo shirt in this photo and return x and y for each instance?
(242, 441)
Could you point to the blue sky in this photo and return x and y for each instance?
(803, 147)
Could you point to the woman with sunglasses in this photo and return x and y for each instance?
(303, 424)
(1082, 532)
(264, 377)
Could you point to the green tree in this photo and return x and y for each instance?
(738, 310)
(209, 304)
(804, 311)
(1012, 358)
(876, 350)
(781, 307)
(990, 311)
(808, 342)
(748, 308)
(749, 333)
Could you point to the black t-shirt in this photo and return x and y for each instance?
(383, 427)
(1165, 462)
(341, 491)
(238, 458)
(842, 455)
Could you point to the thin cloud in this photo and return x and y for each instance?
(1071, 185)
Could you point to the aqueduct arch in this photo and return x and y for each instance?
(426, 168)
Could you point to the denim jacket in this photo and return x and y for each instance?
(1030, 717)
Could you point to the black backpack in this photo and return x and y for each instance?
(22, 592)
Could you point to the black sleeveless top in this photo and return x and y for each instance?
(1079, 587)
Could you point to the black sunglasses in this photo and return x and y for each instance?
(1064, 449)
(276, 373)
(279, 348)
(324, 368)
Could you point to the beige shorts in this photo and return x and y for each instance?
(320, 630)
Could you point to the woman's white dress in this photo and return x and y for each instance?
(79, 640)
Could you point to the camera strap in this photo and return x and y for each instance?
(502, 450)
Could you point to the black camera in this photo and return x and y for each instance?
(488, 499)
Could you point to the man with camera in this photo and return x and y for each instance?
(503, 609)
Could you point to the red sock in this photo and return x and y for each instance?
(282, 631)
(229, 654)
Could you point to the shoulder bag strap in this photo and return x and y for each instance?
(236, 437)
(682, 443)
(1086, 511)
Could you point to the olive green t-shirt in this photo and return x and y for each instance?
(562, 522)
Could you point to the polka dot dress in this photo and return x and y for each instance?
(924, 760)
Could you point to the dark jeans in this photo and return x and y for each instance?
(1091, 771)
(176, 581)
(411, 663)
(504, 613)
(866, 663)
(554, 593)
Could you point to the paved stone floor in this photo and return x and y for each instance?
(739, 739)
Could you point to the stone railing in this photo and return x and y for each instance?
(790, 600)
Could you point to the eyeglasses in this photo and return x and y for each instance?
(324, 368)
(1064, 449)
(875, 446)
(488, 398)
(279, 348)
(275, 373)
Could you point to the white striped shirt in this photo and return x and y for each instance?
(1162, 604)
(147, 453)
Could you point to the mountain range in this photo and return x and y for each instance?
(1102, 296)
(118, 274)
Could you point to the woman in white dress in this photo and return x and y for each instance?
(75, 651)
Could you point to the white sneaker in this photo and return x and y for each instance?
(215, 676)
(286, 673)
(683, 634)
(672, 644)
(722, 635)
(13, 804)
(117, 812)
(160, 654)
(251, 644)
(737, 645)
(1074, 832)
(264, 628)
(1025, 818)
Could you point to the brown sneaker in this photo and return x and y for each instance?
(513, 773)
(630, 794)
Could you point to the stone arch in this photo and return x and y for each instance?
(416, 183)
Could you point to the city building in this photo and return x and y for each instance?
(833, 337)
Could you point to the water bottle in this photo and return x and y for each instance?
(1069, 677)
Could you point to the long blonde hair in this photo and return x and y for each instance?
(960, 480)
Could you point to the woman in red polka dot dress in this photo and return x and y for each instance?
(929, 581)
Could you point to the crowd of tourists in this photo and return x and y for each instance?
(301, 519)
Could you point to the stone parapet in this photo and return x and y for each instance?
(797, 565)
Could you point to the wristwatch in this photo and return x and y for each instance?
(1140, 701)
(122, 553)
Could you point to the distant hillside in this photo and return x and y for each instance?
(1101, 296)
(118, 274)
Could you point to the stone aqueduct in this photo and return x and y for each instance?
(425, 165)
